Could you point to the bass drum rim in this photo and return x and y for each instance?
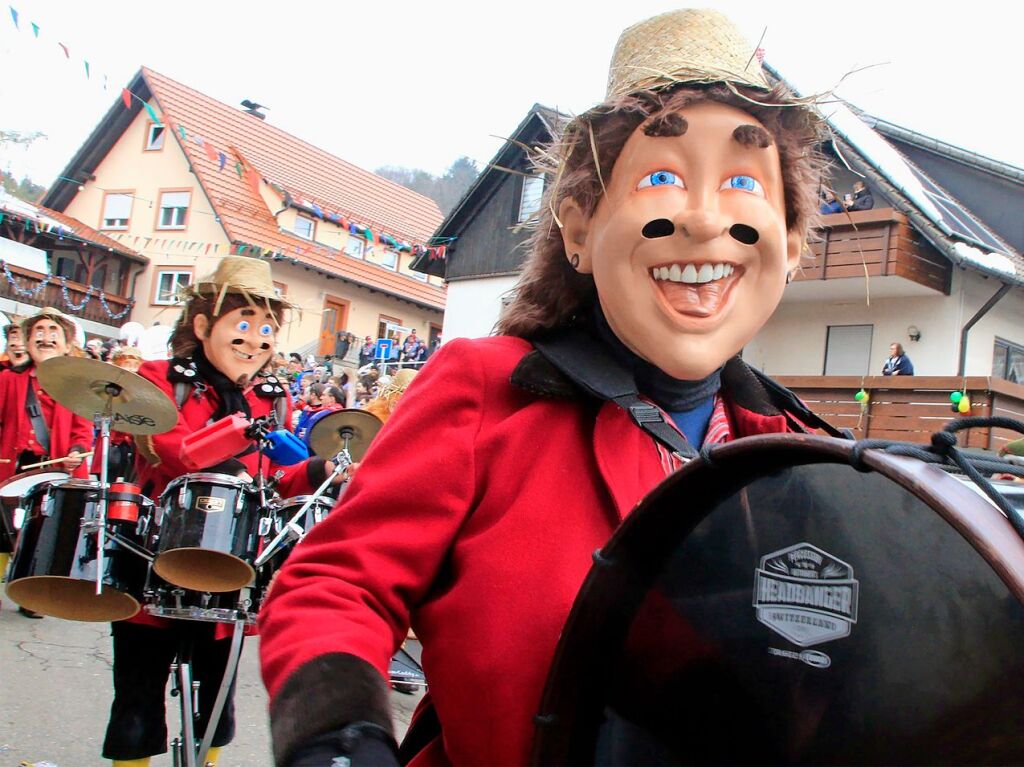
(571, 702)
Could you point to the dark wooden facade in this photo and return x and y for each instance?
(492, 235)
(910, 408)
(52, 295)
(880, 241)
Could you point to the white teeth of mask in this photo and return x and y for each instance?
(692, 274)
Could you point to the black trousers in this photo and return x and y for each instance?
(142, 660)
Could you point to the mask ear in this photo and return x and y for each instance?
(201, 326)
(794, 247)
(575, 228)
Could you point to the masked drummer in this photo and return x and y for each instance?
(669, 230)
(221, 344)
(15, 355)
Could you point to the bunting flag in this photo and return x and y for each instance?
(14, 17)
(126, 97)
(35, 29)
(181, 130)
(238, 169)
(86, 69)
(152, 113)
(317, 212)
(222, 158)
(254, 181)
(67, 53)
(210, 151)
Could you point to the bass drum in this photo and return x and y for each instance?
(787, 602)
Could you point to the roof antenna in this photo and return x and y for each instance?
(252, 108)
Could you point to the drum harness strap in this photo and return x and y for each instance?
(35, 416)
(590, 366)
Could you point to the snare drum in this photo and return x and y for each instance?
(782, 602)
(54, 571)
(165, 600)
(209, 532)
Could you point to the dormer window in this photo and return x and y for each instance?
(304, 227)
(154, 137)
(355, 246)
(529, 199)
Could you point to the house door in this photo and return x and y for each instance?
(333, 321)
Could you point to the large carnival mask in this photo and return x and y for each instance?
(46, 338)
(239, 343)
(688, 248)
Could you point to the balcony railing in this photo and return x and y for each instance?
(910, 408)
(881, 243)
(52, 295)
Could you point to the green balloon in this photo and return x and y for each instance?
(955, 397)
(860, 396)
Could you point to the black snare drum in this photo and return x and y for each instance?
(12, 511)
(778, 605)
(209, 532)
(54, 571)
(165, 600)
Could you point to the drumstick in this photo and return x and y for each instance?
(54, 460)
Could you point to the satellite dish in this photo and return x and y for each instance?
(155, 341)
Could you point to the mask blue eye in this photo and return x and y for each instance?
(661, 178)
(243, 326)
(266, 329)
(743, 183)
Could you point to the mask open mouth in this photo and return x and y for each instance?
(243, 356)
(697, 289)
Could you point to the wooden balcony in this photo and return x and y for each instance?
(51, 295)
(910, 408)
(881, 243)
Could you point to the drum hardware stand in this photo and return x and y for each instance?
(102, 420)
(292, 529)
(187, 752)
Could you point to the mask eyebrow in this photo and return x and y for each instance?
(669, 125)
(752, 136)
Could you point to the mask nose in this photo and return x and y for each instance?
(701, 225)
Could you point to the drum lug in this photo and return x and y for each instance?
(19, 517)
(265, 525)
(142, 526)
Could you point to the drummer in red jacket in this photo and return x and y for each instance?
(674, 217)
(223, 341)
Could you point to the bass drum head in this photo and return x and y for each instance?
(812, 615)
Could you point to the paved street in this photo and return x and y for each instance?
(55, 693)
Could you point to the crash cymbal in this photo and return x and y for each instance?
(86, 387)
(327, 437)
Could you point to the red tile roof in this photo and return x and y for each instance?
(280, 158)
(35, 212)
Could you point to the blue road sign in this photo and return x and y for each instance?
(383, 349)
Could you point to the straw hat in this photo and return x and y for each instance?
(241, 275)
(691, 45)
(124, 352)
(49, 312)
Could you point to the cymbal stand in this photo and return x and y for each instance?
(292, 529)
(102, 420)
(186, 749)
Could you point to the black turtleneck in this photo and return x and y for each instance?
(689, 403)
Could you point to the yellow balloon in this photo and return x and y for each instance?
(964, 405)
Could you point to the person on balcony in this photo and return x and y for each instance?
(862, 198)
(899, 363)
(829, 203)
(678, 210)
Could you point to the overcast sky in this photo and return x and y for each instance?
(417, 84)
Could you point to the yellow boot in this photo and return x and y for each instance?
(211, 757)
(144, 762)
(4, 559)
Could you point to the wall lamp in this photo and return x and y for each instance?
(913, 333)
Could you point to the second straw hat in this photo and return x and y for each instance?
(691, 45)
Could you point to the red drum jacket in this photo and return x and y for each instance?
(67, 430)
(473, 518)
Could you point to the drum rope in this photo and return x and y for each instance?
(944, 450)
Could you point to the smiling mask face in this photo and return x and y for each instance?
(46, 339)
(689, 248)
(240, 342)
(16, 346)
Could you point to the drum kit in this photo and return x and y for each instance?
(99, 550)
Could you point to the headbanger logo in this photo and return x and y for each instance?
(134, 420)
(806, 595)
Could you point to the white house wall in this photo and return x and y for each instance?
(473, 306)
(793, 341)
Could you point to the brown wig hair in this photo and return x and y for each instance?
(550, 292)
(184, 340)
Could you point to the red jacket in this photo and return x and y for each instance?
(473, 517)
(67, 430)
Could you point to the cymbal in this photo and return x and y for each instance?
(80, 384)
(327, 437)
